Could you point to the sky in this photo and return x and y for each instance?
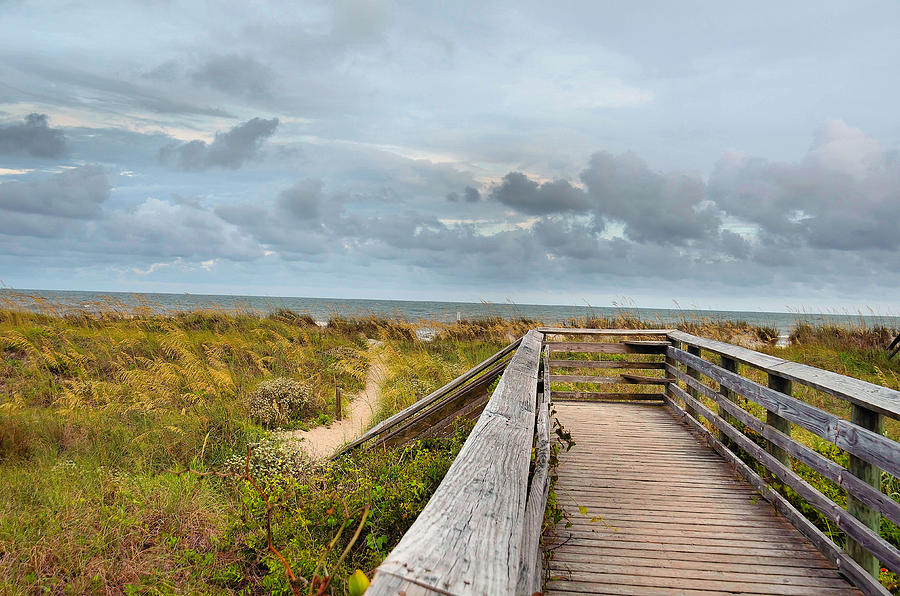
(705, 154)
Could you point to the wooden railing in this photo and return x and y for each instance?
(480, 531)
(861, 438)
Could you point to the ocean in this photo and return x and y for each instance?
(412, 310)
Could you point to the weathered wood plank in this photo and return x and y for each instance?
(865, 444)
(429, 399)
(868, 475)
(422, 420)
(702, 509)
(874, 397)
(645, 380)
(868, 495)
(631, 364)
(470, 530)
(844, 562)
(593, 395)
(584, 379)
(531, 575)
(590, 347)
(855, 529)
(613, 332)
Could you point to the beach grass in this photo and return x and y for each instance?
(124, 435)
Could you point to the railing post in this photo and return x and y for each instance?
(781, 385)
(691, 391)
(730, 365)
(871, 475)
(337, 402)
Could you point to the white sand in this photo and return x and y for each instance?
(323, 441)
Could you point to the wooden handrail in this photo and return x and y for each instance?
(869, 450)
(868, 395)
(431, 398)
(469, 537)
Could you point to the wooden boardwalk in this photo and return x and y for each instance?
(665, 514)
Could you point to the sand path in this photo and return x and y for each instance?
(323, 441)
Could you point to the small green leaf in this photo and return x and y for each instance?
(357, 583)
(582, 510)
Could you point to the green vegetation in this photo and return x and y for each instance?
(124, 441)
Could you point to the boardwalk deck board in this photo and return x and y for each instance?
(672, 517)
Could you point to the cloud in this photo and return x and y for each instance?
(229, 149)
(76, 193)
(233, 74)
(302, 200)
(844, 194)
(469, 195)
(32, 137)
(655, 207)
(527, 196)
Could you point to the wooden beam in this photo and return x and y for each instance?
(870, 446)
(428, 399)
(870, 475)
(874, 397)
(472, 527)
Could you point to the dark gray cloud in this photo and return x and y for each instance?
(229, 149)
(75, 193)
(32, 137)
(526, 195)
(233, 74)
(302, 200)
(470, 195)
(654, 207)
(844, 194)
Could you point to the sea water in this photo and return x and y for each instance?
(413, 310)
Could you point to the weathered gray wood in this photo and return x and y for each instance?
(865, 444)
(472, 528)
(583, 379)
(470, 411)
(613, 332)
(781, 385)
(595, 347)
(870, 475)
(531, 575)
(870, 540)
(632, 364)
(845, 563)
(692, 372)
(417, 423)
(645, 380)
(429, 399)
(594, 395)
(729, 364)
(874, 397)
(607, 553)
(866, 494)
(624, 378)
(590, 347)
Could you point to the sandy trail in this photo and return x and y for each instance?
(323, 441)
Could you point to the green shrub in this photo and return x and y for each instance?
(280, 401)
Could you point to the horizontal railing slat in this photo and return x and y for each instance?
(821, 464)
(429, 399)
(875, 397)
(862, 443)
(609, 332)
(845, 563)
(631, 364)
(468, 538)
(874, 543)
